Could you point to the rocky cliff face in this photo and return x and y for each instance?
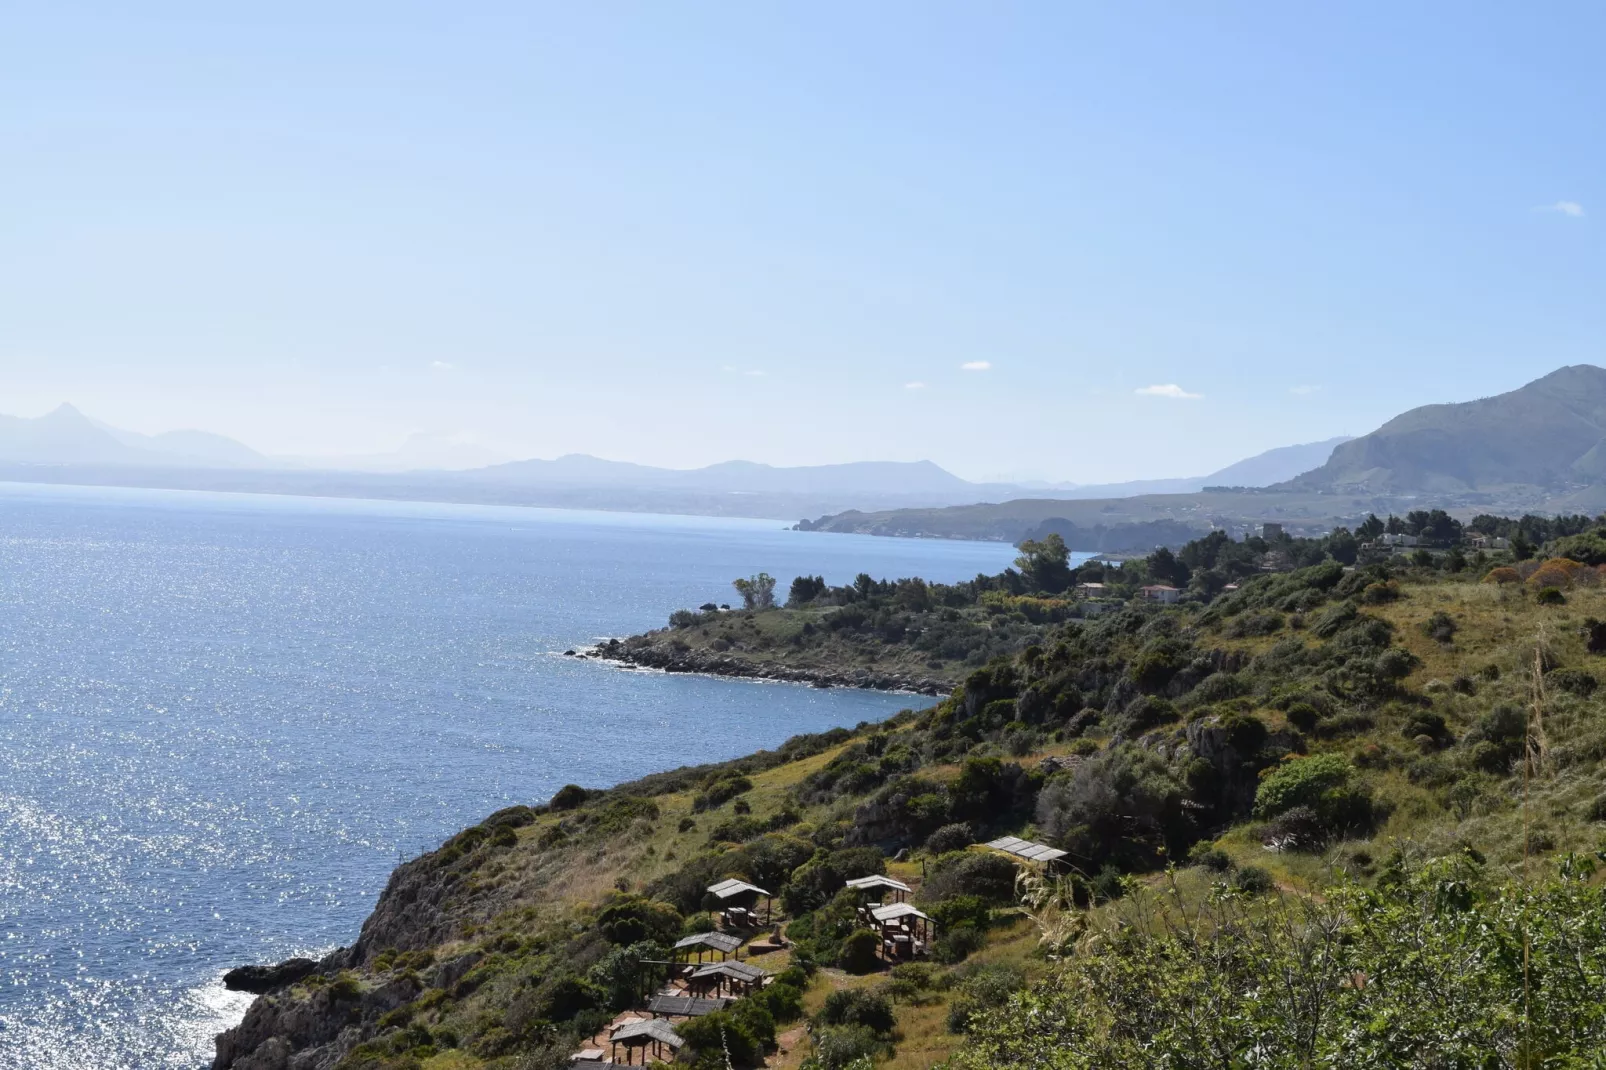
(310, 1020)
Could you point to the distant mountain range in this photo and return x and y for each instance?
(67, 446)
(1540, 448)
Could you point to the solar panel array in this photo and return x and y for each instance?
(1034, 852)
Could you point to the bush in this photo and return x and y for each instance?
(727, 1031)
(1252, 880)
(1377, 594)
(856, 1006)
(989, 877)
(568, 797)
(844, 1046)
(1210, 857)
(1324, 783)
(859, 951)
(1440, 627)
(1574, 681)
(957, 944)
(980, 989)
(962, 910)
(1447, 937)
(1550, 596)
(721, 790)
(949, 838)
(784, 1002)
(1303, 716)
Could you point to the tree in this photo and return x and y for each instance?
(758, 592)
(1369, 529)
(805, 589)
(1163, 566)
(1045, 563)
(1343, 546)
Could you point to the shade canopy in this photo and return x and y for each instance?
(894, 911)
(718, 941)
(878, 881)
(650, 1028)
(741, 971)
(732, 888)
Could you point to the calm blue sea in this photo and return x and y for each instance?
(224, 718)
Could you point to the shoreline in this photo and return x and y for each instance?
(698, 663)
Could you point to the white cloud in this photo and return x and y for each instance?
(976, 365)
(1303, 391)
(1165, 390)
(1568, 208)
(442, 365)
(917, 385)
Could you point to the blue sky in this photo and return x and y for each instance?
(681, 233)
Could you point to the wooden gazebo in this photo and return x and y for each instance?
(892, 891)
(738, 903)
(905, 930)
(722, 944)
(642, 1034)
(722, 978)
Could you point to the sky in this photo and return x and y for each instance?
(1080, 242)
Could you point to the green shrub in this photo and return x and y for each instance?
(1210, 857)
(858, 953)
(1253, 880)
(949, 838)
(1574, 681)
(847, 1046)
(1440, 627)
(987, 876)
(957, 943)
(720, 790)
(568, 797)
(1550, 596)
(1426, 969)
(1324, 783)
(856, 1006)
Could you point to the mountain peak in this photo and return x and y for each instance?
(1539, 435)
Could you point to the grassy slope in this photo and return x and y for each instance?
(507, 896)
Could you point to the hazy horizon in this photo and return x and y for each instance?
(1066, 243)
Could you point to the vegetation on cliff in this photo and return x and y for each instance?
(1288, 779)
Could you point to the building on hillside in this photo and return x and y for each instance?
(1089, 590)
(1488, 542)
(1401, 541)
(1160, 592)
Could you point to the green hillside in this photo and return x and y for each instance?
(1229, 776)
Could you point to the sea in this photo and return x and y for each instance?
(224, 719)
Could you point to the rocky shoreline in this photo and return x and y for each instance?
(711, 663)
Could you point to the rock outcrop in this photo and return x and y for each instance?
(259, 980)
(669, 659)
